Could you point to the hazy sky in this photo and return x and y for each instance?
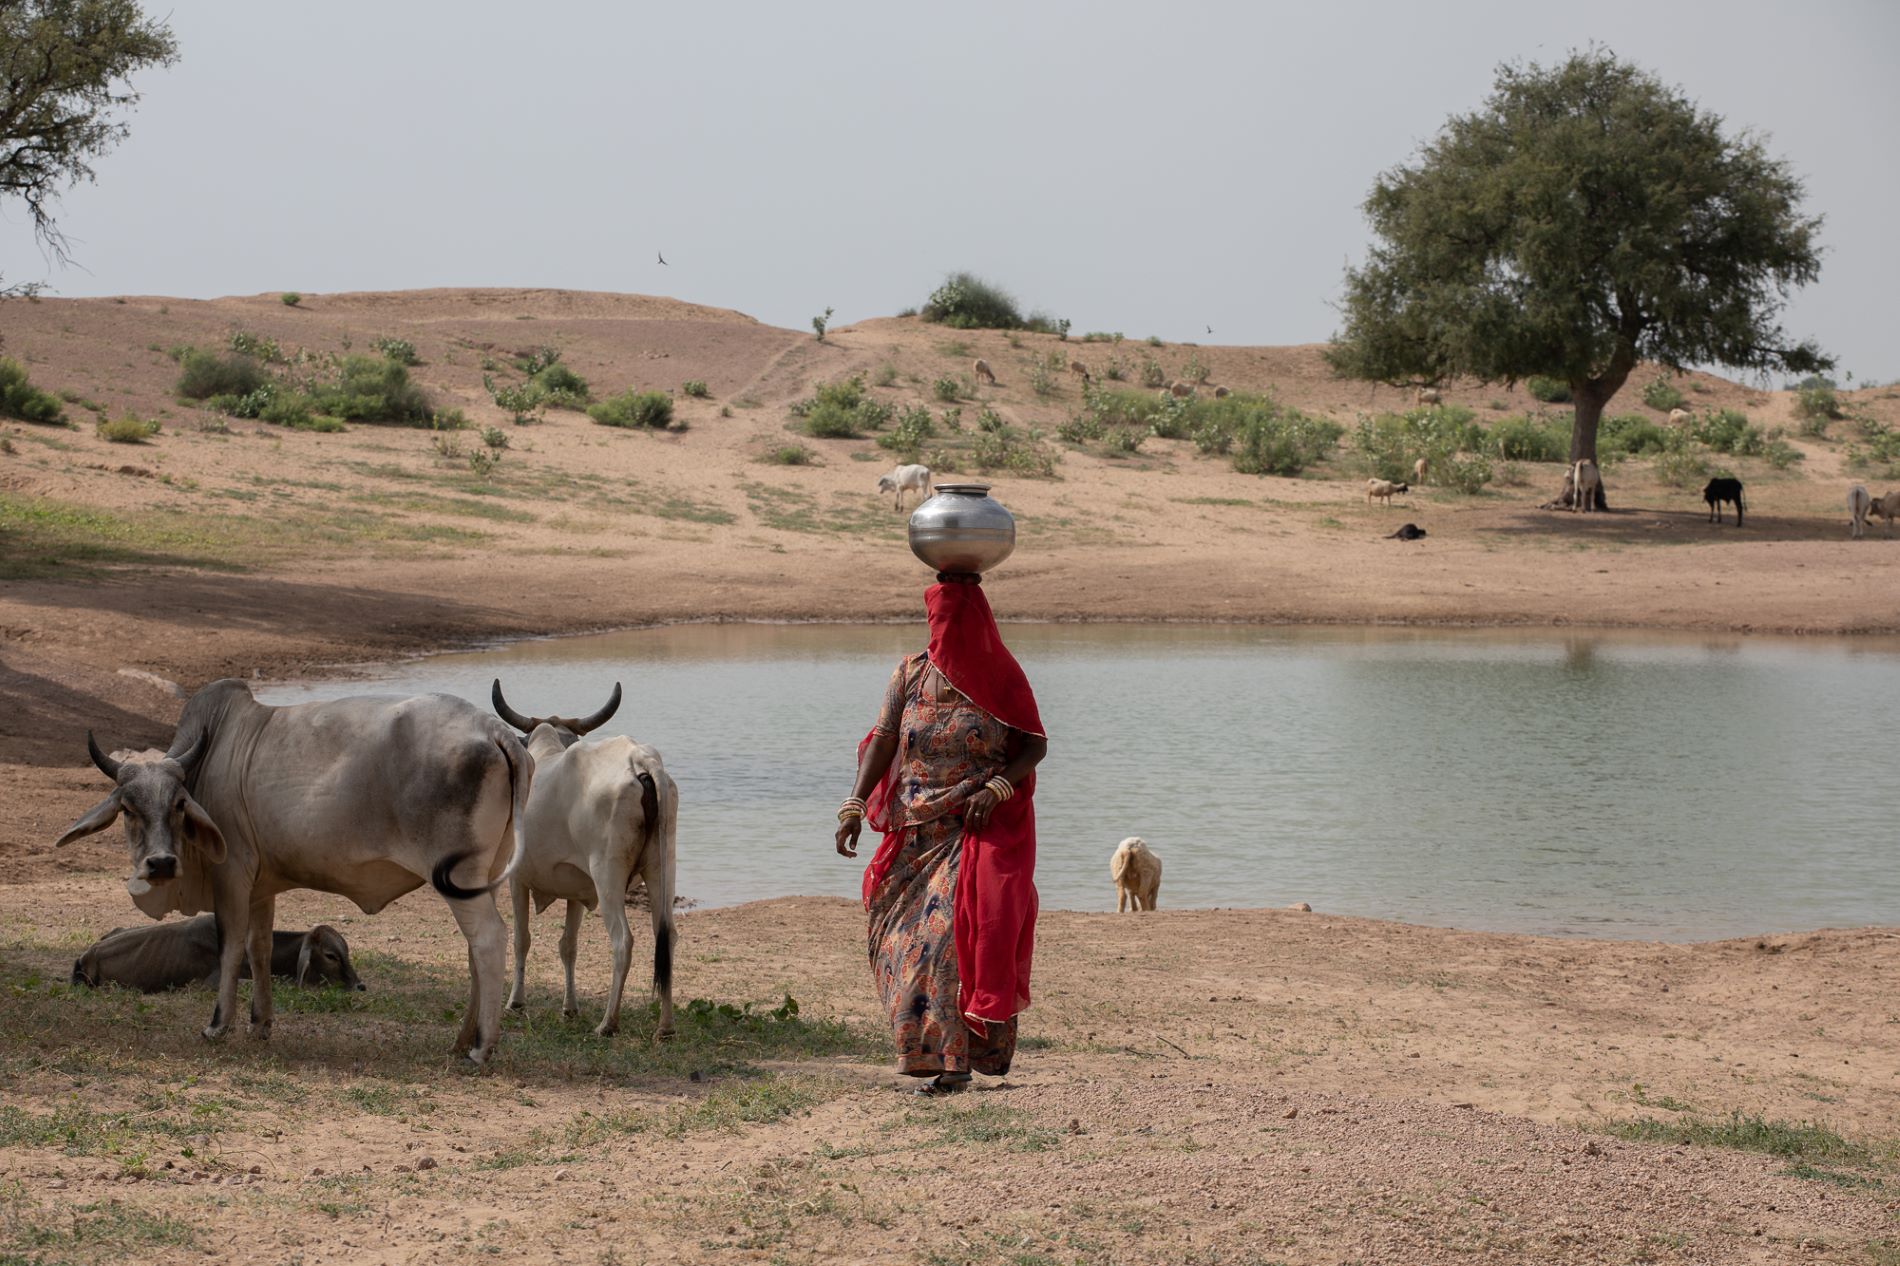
(1150, 168)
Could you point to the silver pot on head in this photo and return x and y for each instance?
(962, 529)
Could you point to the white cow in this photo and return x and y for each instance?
(905, 479)
(600, 816)
(1584, 479)
(1858, 504)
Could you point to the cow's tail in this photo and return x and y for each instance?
(520, 780)
(662, 832)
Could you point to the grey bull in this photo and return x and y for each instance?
(180, 952)
(368, 797)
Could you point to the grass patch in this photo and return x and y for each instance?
(130, 429)
(21, 399)
(103, 1227)
(985, 1125)
(726, 1107)
(650, 410)
(789, 455)
(795, 510)
(1803, 1140)
(204, 374)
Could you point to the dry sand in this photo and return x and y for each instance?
(1208, 1086)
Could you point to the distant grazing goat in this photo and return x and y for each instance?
(1137, 875)
(1384, 490)
(1082, 371)
(1584, 481)
(982, 370)
(905, 479)
(1720, 490)
(1426, 395)
(1858, 504)
(1180, 390)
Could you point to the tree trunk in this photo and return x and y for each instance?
(1588, 399)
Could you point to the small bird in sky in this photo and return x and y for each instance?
(662, 255)
(1210, 329)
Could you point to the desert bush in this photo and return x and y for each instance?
(522, 401)
(990, 421)
(21, 399)
(1389, 443)
(1661, 394)
(130, 429)
(1115, 369)
(652, 410)
(1815, 401)
(1527, 439)
(1631, 435)
(483, 461)
(1196, 371)
(1464, 472)
(1098, 336)
(966, 302)
(1780, 454)
(1548, 390)
(1728, 431)
(372, 389)
(1040, 322)
(1152, 375)
(907, 437)
(841, 410)
(204, 374)
(494, 437)
(789, 455)
(1679, 468)
(1877, 452)
(1079, 428)
(886, 375)
(263, 348)
(820, 323)
(947, 389)
(400, 350)
(560, 387)
(291, 298)
(1008, 449)
(1270, 440)
(1125, 441)
(1171, 419)
(1041, 381)
(952, 419)
(695, 388)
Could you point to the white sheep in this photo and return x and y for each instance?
(1584, 479)
(983, 371)
(1137, 875)
(1680, 417)
(1425, 395)
(1384, 490)
(905, 479)
(1418, 471)
(1858, 504)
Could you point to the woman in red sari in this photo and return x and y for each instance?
(948, 776)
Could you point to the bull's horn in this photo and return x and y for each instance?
(599, 719)
(107, 766)
(524, 724)
(189, 757)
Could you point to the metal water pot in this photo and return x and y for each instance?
(962, 529)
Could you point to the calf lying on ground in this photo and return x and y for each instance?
(185, 952)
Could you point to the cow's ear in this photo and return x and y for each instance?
(202, 833)
(303, 955)
(101, 816)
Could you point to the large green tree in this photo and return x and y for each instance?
(1586, 218)
(64, 71)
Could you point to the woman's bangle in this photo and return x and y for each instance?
(1000, 787)
(853, 807)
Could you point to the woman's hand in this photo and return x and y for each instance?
(977, 809)
(848, 836)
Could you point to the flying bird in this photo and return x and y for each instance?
(1210, 329)
(662, 255)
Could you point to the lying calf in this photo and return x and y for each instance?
(185, 952)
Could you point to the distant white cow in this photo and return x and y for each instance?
(905, 479)
(1584, 479)
(1887, 507)
(1858, 504)
(600, 815)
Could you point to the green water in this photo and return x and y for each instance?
(1631, 786)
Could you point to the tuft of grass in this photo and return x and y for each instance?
(886, 375)
(695, 388)
(99, 1230)
(290, 297)
(130, 429)
(985, 1125)
(726, 1107)
(789, 455)
(652, 410)
(1804, 1140)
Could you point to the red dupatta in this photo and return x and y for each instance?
(996, 903)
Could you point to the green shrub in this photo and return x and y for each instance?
(1877, 452)
(953, 419)
(560, 387)
(1780, 454)
(1815, 400)
(1528, 439)
(1041, 381)
(1548, 390)
(908, 436)
(947, 389)
(1079, 428)
(790, 455)
(1661, 394)
(886, 375)
(1008, 449)
(652, 410)
(966, 302)
(1172, 418)
(291, 298)
(1631, 435)
(1115, 370)
(400, 350)
(205, 374)
(1040, 322)
(1152, 375)
(1728, 431)
(483, 461)
(695, 388)
(372, 389)
(130, 429)
(1679, 468)
(494, 437)
(1464, 472)
(1098, 336)
(244, 343)
(21, 399)
(1275, 441)
(841, 410)
(1390, 443)
(1196, 372)
(990, 421)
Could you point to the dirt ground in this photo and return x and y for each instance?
(1196, 1086)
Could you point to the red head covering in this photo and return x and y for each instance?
(996, 902)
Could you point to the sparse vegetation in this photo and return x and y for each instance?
(1527, 439)
(1815, 401)
(203, 374)
(291, 298)
(372, 389)
(1260, 436)
(695, 388)
(21, 399)
(947, 389)
(886, 375)
(841, 410)
(790, 455)
(1807, 1140)
(1661, 394)
(907, 437)
(1548, 390)
(400, 350)
(820, 323)
(651, 410)
(130, 429)
(966, 302)
(259, 346)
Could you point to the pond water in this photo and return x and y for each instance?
(1576, 784)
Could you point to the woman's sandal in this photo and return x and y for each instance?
(943, 1084)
